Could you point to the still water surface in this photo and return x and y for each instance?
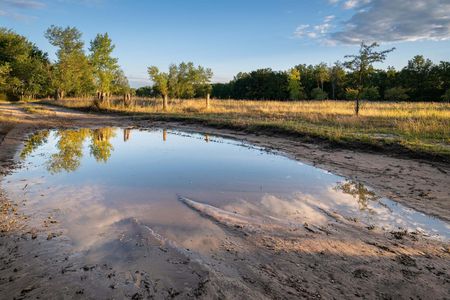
(95, 178)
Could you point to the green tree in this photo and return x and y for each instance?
(318, 94)
(160, 84)
(444, 75)
(446, 96)
(371, 93)
(322, 74)
(351, 94)
(294, 85)
(308, 78)
(202, 81)
(145, 91)
(337, 77)
(186, 81)
(396, 94)
(72, 74)
(361, 65)
(104, 65)
(4, 72)
(421, 78)
(121, 86)
(183, 81)
(24, 69)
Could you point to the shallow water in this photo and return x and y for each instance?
(94, 179)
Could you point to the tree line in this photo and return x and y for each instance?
(26, 72)
(419, 80)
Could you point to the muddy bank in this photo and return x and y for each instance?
(242, 254)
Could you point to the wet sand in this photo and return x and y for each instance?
(340, 258)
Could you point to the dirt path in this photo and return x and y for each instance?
(337, 259)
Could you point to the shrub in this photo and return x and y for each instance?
(370, 93)
(396, 94)
(446, 96)
(351, 94)
(318, 94)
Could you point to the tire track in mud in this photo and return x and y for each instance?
(347, 261)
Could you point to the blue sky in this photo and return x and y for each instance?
(240, 35)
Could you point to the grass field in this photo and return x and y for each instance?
(414, 128)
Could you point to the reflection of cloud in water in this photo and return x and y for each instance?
(300, 208)
(90, 215)
(84, 212)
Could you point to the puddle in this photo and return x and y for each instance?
(96, 179)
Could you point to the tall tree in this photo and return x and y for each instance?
(24, 69)
(361, 65)
(4, 72)
(203, 83)
(322, 74)
(121, 86)
(444, 75)
(337, 77)
(72, 73)
(308, 79)
(420, 77)
(160, 83)
(104, 65)
(294, 85)
(183, 81)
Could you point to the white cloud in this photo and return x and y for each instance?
(383, 21)
(11, 8)
(351, 4)
(301, 30)
(329, 18)
(31, 4)
(318, 31)
(395, 20)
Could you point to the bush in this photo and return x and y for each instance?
(351, 94)
(446, 96)
(396, 94)
(318, 94)
(370, 93)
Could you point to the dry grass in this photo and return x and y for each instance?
(417, 126)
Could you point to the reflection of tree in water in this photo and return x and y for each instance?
(359, 192)
(33, 142)
(101, 147)
(126, 134)
(70, 146)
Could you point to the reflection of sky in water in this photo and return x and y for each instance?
(143, 176)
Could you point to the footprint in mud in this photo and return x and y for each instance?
(160, 273)
(361, 273)
(406, 260)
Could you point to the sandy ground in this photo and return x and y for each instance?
(338, 259)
